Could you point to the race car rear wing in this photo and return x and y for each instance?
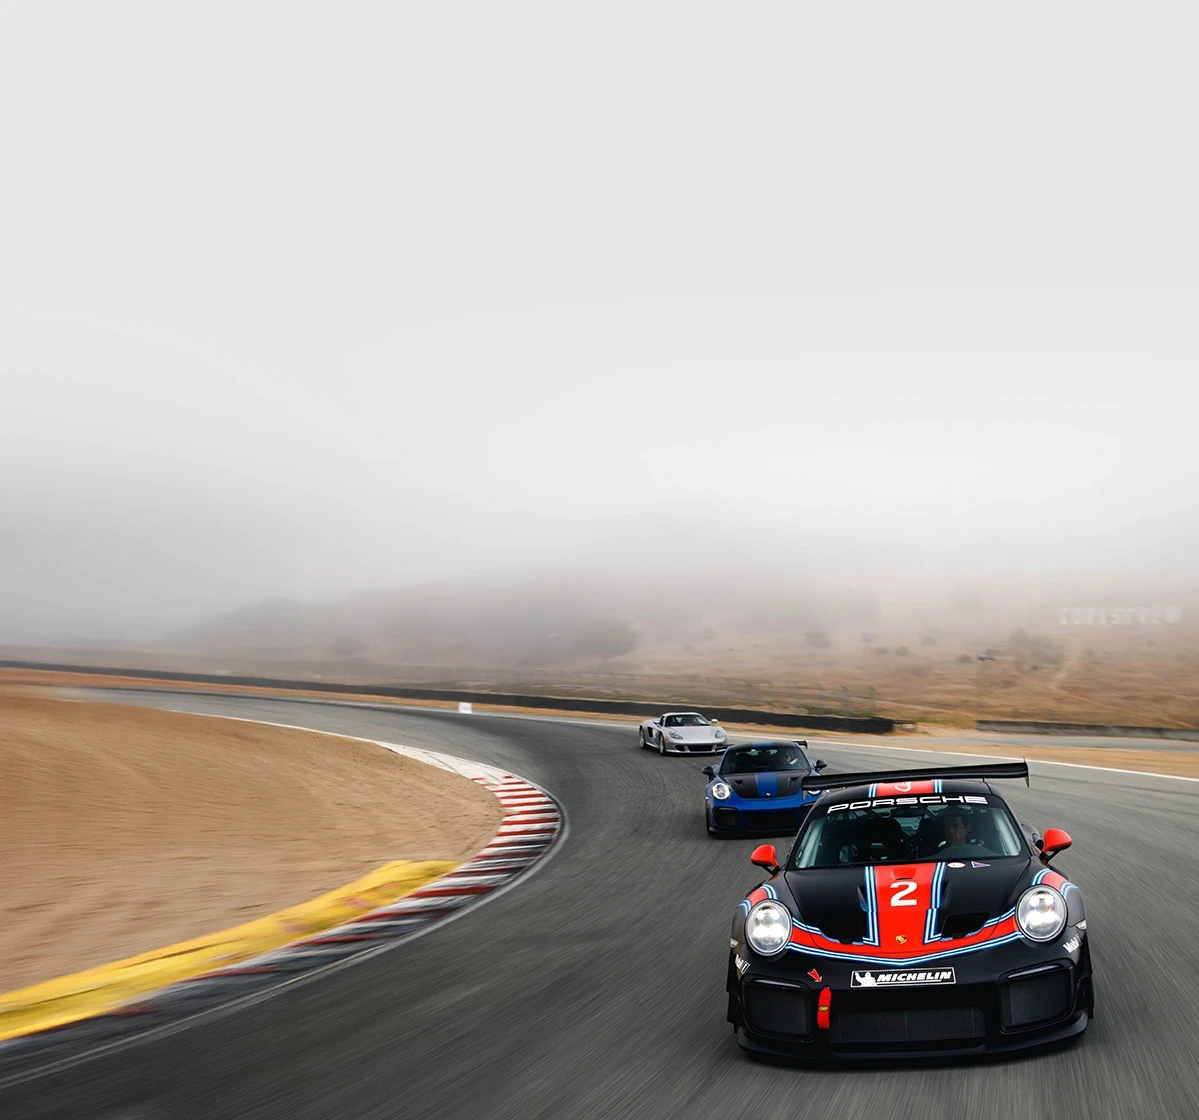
(931, 773)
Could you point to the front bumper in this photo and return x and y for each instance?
(1008, 1045)
(774, 816)
(672, 747)
(1007, 999)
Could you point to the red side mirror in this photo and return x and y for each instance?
(765, 856)
(1055, 840)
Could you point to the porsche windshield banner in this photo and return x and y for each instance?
(888, 802)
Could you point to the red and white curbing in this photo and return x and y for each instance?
(531, 826)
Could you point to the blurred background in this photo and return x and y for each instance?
(773, 357)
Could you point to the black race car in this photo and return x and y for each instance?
(913, 916)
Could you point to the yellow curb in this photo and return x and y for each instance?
(97, 990)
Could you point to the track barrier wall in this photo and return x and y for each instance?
(862, 725)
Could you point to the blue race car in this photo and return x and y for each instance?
(758, 788)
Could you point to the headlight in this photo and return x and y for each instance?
(1041, 913)
(768, 928)
(721, 791)
(719, 733)
(674, 735)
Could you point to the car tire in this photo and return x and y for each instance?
(641, 738)
(662, 745)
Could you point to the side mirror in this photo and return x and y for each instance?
(714, 722)
(1055, 840)
(710, 771)
(820, 764)
(765, 856)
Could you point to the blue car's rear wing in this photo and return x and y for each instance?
(930, 773)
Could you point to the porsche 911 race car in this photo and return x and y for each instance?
(682, 733)
(757, 788)
(913, 916)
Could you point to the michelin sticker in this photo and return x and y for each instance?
(873, 979)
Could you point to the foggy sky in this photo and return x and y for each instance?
(296, 302)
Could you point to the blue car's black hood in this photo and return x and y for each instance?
(770, 783)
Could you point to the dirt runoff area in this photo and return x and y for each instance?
(126, 829)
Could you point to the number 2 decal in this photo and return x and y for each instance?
(904, 889)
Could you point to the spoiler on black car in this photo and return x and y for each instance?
(931, 773)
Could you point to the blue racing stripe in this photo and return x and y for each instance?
(930, 920)
(871, 910)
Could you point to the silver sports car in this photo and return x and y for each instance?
(682, 733)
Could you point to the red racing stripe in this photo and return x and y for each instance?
(903, 896)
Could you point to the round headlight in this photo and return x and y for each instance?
(674, 734)
(768, 928)
(719, 733)
(1041, 913)
(721, 791)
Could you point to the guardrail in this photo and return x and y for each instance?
(864, 725)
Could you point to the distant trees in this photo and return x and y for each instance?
(1034, 649)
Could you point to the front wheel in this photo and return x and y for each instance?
(662, 745)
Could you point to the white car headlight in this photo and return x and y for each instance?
(719, 733)
(721, 791)
(674, 735)
(1041, 913)
(768, 928)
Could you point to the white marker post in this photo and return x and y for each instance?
(464, 708)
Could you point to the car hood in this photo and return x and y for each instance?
(950, 904)
(771, 783)
(690, 734)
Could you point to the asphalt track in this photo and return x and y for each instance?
(596, 988)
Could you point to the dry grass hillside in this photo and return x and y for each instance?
(950, 659)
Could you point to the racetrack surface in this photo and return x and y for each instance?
(597, 987)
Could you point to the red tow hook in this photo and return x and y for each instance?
(822, 1008)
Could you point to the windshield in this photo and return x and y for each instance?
(687, 719)
(921, 833)
(762, 757)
